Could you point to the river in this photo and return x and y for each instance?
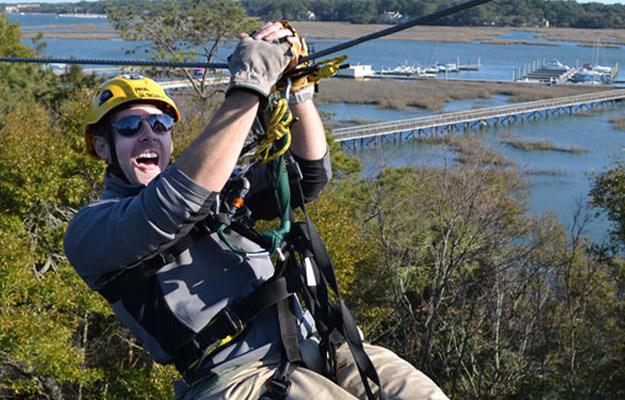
(558, 180)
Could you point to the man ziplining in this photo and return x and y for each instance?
(171, 247)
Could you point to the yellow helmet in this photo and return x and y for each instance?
(123, 89)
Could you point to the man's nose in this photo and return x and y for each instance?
(147, 132)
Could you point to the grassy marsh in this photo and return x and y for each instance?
(542, 145)
(618, 123)
(344, 30)
(432, 95)
(469, 149)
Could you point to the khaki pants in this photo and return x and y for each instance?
(401, 381)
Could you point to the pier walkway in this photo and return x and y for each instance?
(413, 128)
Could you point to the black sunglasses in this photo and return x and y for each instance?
(132, 124)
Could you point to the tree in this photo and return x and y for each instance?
(183, 31)
(608, 196)
(491, 302)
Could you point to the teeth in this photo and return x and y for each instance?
(149, 154)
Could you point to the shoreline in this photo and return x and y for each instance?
(347, 31)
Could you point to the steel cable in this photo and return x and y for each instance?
(198, 64)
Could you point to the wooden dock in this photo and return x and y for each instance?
(407, 129)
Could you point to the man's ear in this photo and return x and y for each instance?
(102, 148)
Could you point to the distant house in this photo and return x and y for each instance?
(543, 22)
(22, 6)
(19, 8)
(307, 16)
(389, 17)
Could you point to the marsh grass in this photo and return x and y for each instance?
(355, 121)
(523, 42)
(342, 30)
(432, 95)
(588, 113)
(458, 34)
(469, 149)
(618, 123)
(551, 172)
(602, 46)
(542, 145)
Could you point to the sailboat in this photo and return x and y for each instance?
(593, 73)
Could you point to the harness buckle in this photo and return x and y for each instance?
(279, 384)
(228, 322)
(279, 388)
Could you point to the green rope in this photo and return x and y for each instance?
(273, 237)
(276, 236)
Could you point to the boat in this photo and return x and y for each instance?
(593, 74)
(442, 68)
(408, 71)
(555, 65)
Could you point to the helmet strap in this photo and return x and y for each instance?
(114, 168)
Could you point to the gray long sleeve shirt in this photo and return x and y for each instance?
(129, 223)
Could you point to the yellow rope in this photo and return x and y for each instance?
(280, 124)
(279, 127)
(328, 70)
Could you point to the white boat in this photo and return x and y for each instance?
(555, 65)
(442, 68)
(410, 71)
(593, 74)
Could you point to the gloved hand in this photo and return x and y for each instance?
(301, 85)
(257, 64)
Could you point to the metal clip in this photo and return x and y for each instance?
(287, 90)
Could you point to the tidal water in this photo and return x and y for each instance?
(558, 181)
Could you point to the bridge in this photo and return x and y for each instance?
(433, 125)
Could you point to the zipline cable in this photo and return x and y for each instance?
(400, 27)
(198, 64)
(96, 61)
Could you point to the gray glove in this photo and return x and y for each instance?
(257, 64)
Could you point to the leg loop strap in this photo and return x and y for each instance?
(279, 384)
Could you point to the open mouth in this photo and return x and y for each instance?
(148, 159)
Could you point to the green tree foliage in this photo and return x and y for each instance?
(608, 195)
(559, 13)
(184, 31)
(55, 331)
(459, 280)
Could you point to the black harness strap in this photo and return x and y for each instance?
(339, 319)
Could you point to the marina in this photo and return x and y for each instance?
(406, 71)
(555, 72)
